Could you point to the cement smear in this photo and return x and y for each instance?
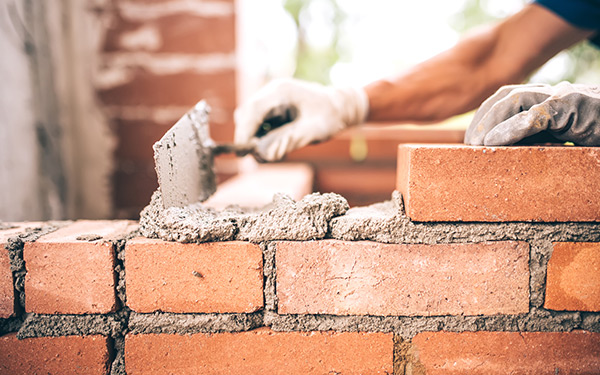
(193, 323)
(386, 222)
(537, 320)
(283, 219)
(112, 325)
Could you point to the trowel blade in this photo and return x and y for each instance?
(183, 159)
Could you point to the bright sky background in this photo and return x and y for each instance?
(385, 37)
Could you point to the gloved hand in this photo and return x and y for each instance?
(317, 113)
(569, 112)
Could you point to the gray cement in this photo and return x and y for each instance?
(112, 325)
(184, 160)
(407, 327)
(193, 323)
(283, 219)
(386, 222)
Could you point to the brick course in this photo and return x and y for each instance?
(369, 278)
(70, 276)
(260, 352)
(174, 33)
(177, 89)
(498, 353)
(573, 279)
(466, 183)
(54, 355)
(184, 278)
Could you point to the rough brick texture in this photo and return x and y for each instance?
(260, 352)
(466, 183)
(573, 279)
(54, 355)
(184, 278)
(490, 353)
(67, 275)
(176, 33)
(369, 278)
(183, 89)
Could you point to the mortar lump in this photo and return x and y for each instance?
(282, 219)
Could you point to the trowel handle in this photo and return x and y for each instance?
(239, 150)
(276, 118)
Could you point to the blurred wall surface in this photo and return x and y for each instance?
(89, 85)
(55, 156)
(158, 59)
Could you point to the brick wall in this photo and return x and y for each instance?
(379, 293)
(158, 59)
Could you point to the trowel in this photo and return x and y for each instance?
(184, 156)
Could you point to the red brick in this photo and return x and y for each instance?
(54, 355)
(185, 278)
(177, 33)
(467, 183)
(573, 279)
(181, 89)
(370, 278)
(490, 353)
(70, 276)
(260, 352)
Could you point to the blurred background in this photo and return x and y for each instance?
(89, 85)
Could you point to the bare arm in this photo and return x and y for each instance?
(459, 79)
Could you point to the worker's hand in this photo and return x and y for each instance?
(315, 112)
(569, 112)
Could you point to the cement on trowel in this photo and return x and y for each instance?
(184, 160)
(283, 219)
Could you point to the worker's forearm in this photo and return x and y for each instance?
(431, 91)
(459, 79)
(450, 83)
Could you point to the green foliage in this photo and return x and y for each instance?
(470, 16)
(314, 63)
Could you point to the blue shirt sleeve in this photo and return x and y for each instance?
(584, 14)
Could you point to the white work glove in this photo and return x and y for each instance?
(568, 112)
(315, 112)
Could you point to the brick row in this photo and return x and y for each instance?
(174, 33)
(177, 89)
(71, 271)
